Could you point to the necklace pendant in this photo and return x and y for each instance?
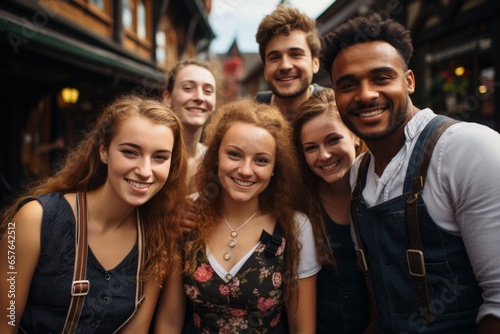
(227, 256)
(232, 243)
(234, 234)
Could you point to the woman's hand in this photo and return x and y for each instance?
(189, 214)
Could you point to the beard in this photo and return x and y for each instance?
(398, 118)
(304, 85)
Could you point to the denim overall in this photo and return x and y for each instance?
(342, 302)
(455, 295)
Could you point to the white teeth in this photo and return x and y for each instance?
(243, 183)
(371, 113)
(139, 185)
(196, 110)
(335, 164)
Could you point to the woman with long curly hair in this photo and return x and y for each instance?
(129, 174)
(250, 256)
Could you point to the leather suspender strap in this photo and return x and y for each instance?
(415, 254)
(355, 198)
(80, 286)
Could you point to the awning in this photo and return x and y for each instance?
(22, 34)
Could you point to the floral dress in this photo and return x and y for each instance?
(249, 302)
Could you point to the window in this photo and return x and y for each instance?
(166, 44)
(136, 17)
(141, 19)
(127, 15)
(98, 3)
(101, 9)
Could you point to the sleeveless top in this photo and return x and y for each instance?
(111, 298)
(342, 302)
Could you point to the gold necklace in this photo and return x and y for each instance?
(234, 234)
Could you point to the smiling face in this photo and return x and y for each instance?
(328, 147)
(138, 159)
(247, 156)
(289, 66)
(193, 95)
(372, 89)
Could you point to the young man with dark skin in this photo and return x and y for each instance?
(367, 59)
(289, 46)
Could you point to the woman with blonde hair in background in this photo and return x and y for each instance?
(191, 91)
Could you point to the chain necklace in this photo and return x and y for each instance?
(234, 234)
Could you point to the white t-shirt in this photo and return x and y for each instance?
(308, 263)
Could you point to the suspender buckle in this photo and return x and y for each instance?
(416, 263)
(413, 198)
(416, 188)
(362, 260)
(80, 288)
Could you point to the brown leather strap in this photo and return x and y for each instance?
(415, 254)
(139, 290)
(139, 295)
(356, 197)
(80, 286)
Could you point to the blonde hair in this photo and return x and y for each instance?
(213, 67)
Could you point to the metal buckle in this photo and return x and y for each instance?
(416, 254)
(84, 290)
(362, 260)
(413, 198)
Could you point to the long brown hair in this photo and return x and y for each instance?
(83, 171)
(277, 198)
(318, 104)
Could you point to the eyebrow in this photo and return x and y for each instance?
(335, 134)
(140, 148)
(187, 81)
(382, 69)
(234, 147)
(194, 82)
(272, 52)
(297, 49)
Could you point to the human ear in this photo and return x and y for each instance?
(410, 81)
(167, 98)
(315, 64)
(103, 154)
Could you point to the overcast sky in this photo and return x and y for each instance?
(239, 19)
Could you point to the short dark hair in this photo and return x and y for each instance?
(366, 29)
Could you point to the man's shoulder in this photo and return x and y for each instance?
(317, 88)
(264, 96)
